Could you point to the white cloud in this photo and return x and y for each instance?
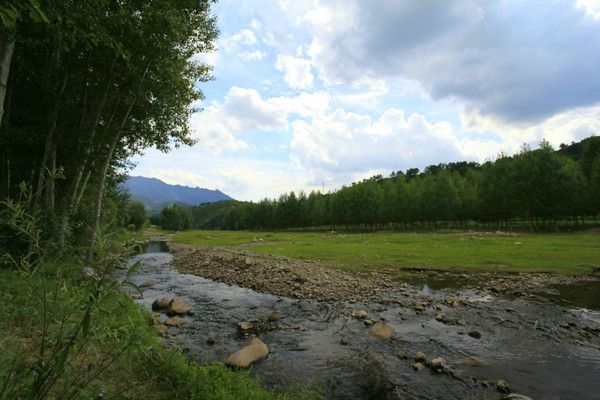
(591, 7)
(245, 109)
(573, 125)
(211, 133)
(348, 143)
(176, 176)
(297, 71)
(515, 61)
(252, 55)
(245, 37)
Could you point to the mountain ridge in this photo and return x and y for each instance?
(156, 194)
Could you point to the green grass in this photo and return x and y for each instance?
(573, 253)
(118, 348)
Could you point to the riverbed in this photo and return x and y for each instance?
(547, 348)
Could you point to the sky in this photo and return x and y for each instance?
(316, 94)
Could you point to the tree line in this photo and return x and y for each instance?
(540, 189)
(84, 85)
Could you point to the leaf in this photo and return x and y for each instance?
(85, 325)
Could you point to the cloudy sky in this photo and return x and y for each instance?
(314, 94)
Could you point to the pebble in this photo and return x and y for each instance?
(474, 334)
(438, 362)
(420, 356)
(502, 386)
(275, 316)
(418, 366)
(359, 314)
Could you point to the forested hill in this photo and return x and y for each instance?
(536, 188)
(155, 193)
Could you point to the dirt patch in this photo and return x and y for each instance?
(283, 276)
(306, 279)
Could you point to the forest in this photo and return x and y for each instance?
(536, 189)
(86, 85)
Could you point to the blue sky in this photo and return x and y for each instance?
(315, 94)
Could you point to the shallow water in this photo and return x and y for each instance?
(521, 341)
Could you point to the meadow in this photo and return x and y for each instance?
(572, 253)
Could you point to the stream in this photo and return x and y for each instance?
(547, 349)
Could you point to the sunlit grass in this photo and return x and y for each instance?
(559, 253)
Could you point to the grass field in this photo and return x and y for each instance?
(559, 253)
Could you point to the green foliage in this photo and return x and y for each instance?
(98, 82)
(136, 215)
(175, 218)
(535, 189)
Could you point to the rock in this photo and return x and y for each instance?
(175, 321)
(475, 334)
(344, 341)
(147, 283)
(437, 363)
(419, 308)
(210, 340)
(253, 350)
(88, 273)
(472, 361)
(440, 317)
(502, 386)
(161, 329)
(418, 366)
(360, 314)
(248, 262)
(515, 396)
(275, 316)
(177, 306)
(381, 331)
(401, 354)
(245, 325)
(368, 322)
(162, 303)
(420, 356)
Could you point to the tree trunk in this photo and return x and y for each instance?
(50, 186)
(99, 195)
(74, 194)
(7, 45)
(100, 187)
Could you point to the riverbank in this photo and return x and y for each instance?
(310, 279)
(54, 343)
(404, 340)
(565, 254)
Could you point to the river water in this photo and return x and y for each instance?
(521, 341)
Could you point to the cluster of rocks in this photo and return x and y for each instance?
(299, 279)
(378, 330)
(439, 365)
(174, 308)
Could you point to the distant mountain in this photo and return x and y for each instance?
(156, 194)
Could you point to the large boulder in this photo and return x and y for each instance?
(162, 303)
(381, 331)
(253, 350)
(177, 306)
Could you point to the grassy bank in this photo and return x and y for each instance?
(558, 253)
(53, 344)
